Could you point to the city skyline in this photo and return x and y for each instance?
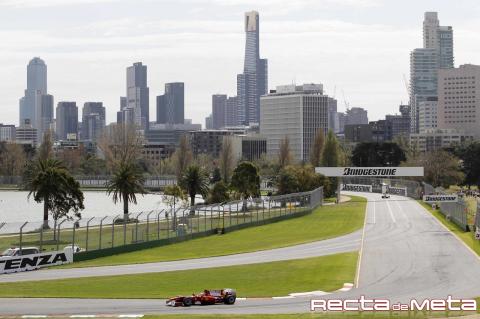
(96, 73)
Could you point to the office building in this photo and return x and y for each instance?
(341, 122)
(208, 142)
(358, 133)
(26, 134)
(209, 122)
(36, 105)
(253, 82)
(296, 112)
(356, 115)
(93, 121)
(439, 38)
(435, 139)
(459, 99)
(248, 147)
(7, 133)
(399, 124)
(219, 104)
(137, 109)
(428, 114)
(67, 121)
(333, 123)
(231, 111)
(171, 105)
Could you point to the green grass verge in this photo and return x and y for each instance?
(279, 278)
(346, 315)
(467, 237)
(325, 222)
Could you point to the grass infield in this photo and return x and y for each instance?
(325, 222)
(326, 273)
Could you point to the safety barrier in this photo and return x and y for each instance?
(112, 234)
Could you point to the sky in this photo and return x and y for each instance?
(358, 49)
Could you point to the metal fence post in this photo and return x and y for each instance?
(86, 240)
(100, 233)
(158, 224)
(148, 224)
(41, 237)
(21, 234)
(73, 233)
(113, 229)
(211, 217)
(136, 226)
(58, 232)
(125, 229)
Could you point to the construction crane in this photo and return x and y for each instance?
(407, 87)
(347, 105)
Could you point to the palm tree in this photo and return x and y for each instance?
(48, 181)
(194, 181)
(126, 182)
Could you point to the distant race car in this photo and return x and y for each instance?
(207, 297)
(385, 196)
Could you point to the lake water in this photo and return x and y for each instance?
(15, 207)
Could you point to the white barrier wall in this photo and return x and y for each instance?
(357, 188)
(35, 261)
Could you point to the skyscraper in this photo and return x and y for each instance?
(231, 111)
(253, 82)
(67, 121)
(137, 110)
(36, 105)
(171, 105)
(93, 120)
(437, 53)
(219, 103)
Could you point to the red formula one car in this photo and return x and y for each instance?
(207, 297)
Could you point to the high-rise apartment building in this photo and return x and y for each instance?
(67, 121)
(459, 99)
(137, 109)
(296, 112)
(437, 53)
(253, 82)
(171, 105)
(93, 121)
(219, 104)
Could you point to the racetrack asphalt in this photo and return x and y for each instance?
(406, 254)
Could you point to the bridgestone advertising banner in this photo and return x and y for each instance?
(357, 188)
(369, 171)
(35, 261)
(440, 198)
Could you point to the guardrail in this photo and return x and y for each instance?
(457, 212)
(413, 189)
(112, 234)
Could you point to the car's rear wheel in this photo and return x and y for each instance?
(230, 300)
(187, 302)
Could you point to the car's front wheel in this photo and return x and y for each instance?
(187, 302)
(230, 300)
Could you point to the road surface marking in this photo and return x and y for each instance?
(390, 211)
(34, 316)
(374, 212)
(359, 262)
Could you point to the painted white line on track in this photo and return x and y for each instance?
(390, 211)
(34, 316)
(359, 261)
(130, 316)
(242, 299)
(82, 316)
(285, 297)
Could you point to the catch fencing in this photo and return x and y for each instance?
(111, 234)
(457, 212)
